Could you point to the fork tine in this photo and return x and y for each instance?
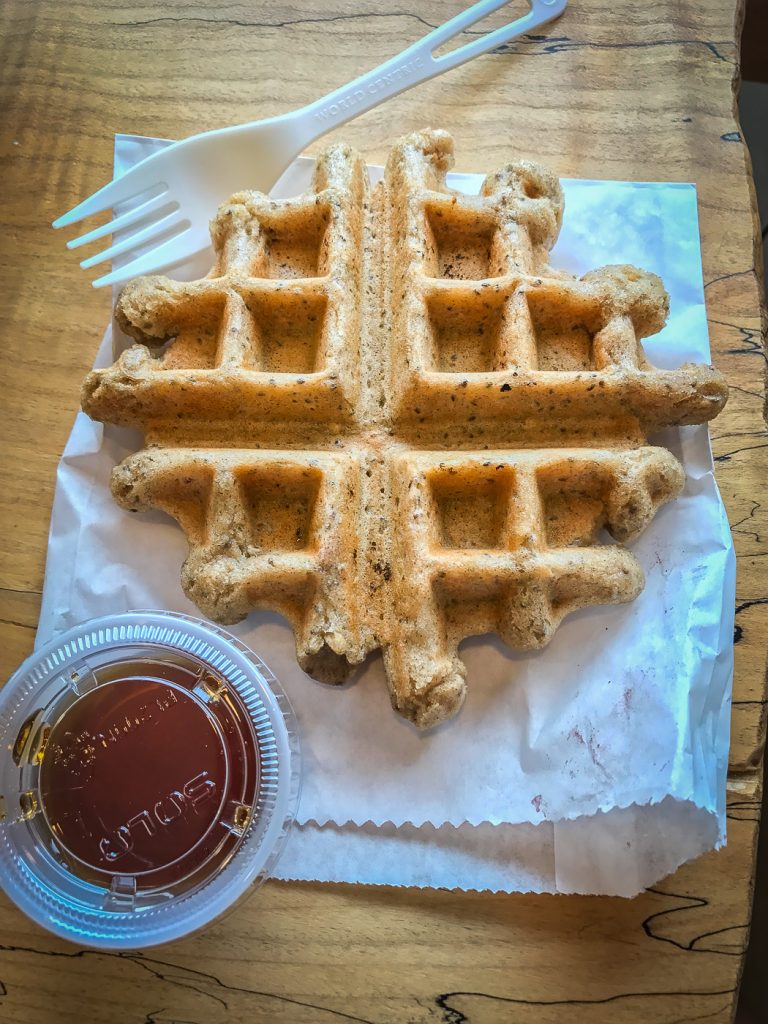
(137, 238)
(100, 200)
(123, 221)
(166, 254)
(117, 191)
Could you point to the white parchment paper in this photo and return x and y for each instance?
(595, 765)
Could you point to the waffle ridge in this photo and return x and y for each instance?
(384, 415)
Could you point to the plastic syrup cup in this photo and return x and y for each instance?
(149, 775)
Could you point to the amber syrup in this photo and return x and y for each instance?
(148, 779)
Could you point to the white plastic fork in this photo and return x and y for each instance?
(174, 193)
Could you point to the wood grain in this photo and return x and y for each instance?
(616, 91)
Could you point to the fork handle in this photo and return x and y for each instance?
(417, 64)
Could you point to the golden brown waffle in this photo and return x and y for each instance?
(386, 417)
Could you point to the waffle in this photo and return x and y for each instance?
(385, 416)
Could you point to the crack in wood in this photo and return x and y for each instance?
(702, 1016)
(557, 44)
(287, 23)
(745, 391)
(183, 977)
(153, 1017)
(753, 338)
(690, 903)
(13, 590)
(563, 44)
(152, 965)
(738, 630)
(452, 1015)
(756, 506)
(727, 456)
(727, 277)
(182, 982)
(739, 433)
(13, 622)
(745, 810)
(749, 604)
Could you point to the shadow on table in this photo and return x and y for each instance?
(753, 111)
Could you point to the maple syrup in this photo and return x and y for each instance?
(144, 775)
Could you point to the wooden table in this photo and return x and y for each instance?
(639, 91)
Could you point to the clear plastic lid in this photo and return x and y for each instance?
(149, 774)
